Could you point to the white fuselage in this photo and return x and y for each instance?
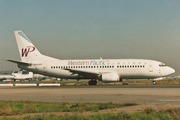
(126, 68)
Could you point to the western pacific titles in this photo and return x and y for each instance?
(92, 62)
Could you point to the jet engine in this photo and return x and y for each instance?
(110, 77)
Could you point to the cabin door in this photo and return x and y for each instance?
(150, 67)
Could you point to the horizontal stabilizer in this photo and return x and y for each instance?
(19, 62)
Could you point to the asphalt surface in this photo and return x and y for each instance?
(155, 95)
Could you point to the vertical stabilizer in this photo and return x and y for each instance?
(28, 52)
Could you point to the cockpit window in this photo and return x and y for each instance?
(162, 65)
(25, 72)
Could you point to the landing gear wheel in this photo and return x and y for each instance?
(154, 82)
(95, 82)
(92, 82)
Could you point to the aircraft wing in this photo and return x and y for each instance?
(84, 73)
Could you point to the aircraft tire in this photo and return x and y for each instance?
(95, 82)
(89, 82)
(92, 82)
(154, 82)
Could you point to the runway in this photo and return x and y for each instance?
(155, 95)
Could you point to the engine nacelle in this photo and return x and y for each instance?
(110, 77)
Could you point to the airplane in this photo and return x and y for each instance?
(17, 75)
(22, 75)
(105, 70)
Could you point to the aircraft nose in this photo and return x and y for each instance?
(171, 70)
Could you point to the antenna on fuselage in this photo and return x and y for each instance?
(100, 58)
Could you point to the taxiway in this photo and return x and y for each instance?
(156, 95)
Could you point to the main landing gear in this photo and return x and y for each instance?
(92, 82)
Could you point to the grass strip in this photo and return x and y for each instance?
(23, 107)
(109, 116)
(148, 113)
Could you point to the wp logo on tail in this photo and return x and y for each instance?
(25, 51)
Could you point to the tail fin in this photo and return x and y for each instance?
(28, 52)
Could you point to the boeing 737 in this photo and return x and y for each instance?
(105, 70)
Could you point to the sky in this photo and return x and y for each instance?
(90, 29)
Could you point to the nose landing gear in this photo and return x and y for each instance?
(154, 82)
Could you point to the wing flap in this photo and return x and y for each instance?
(84, 72)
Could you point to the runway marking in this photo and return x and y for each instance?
(170, 100)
